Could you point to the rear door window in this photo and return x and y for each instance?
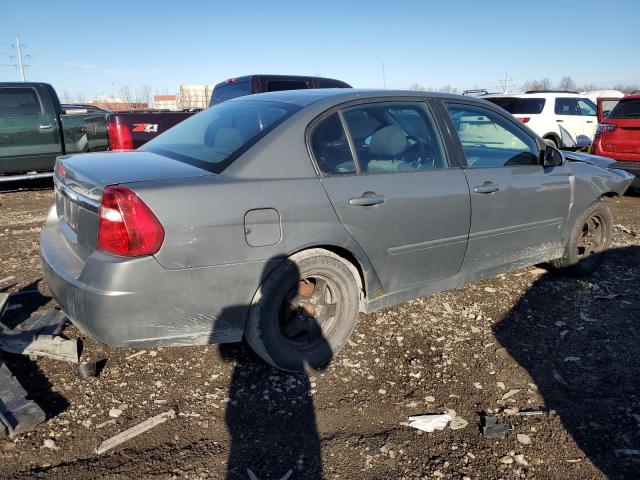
(518, 106)
(395, 137)
(19, 102)
(331, 148)
(491, 140)
(566, 106)
(279, 85)
(626, 109)
(586, 107)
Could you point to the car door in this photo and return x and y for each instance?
(569, 122)
(386, 172)
(518, 207)
(29, 134)
(589, 118)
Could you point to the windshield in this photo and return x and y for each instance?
(626, 109)
(214, 138)
(516, 106)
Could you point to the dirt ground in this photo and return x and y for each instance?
(565, 346)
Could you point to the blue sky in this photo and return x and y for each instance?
(98, 47)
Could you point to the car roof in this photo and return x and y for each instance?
(338, 95)
(284, 76)
(541, 94)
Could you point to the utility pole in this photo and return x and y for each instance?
(19, 58)
(20, 62)
(505, 84)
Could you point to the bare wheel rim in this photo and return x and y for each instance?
(592, 237)
(310, 312)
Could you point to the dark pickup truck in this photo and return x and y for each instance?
(250, 84)
(35, 128)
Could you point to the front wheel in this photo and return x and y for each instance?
(588, 242)
(304, 312)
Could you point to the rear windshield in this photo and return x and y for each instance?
(214, 138)
(517, 106)
(280, 85)
(227, 91)
(626, 109)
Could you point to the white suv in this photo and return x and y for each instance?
(566, 119)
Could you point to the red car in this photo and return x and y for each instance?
(618, 135)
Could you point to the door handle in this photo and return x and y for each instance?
(486, 187)
(367, 199)
(48, 126)
(589, 121)
(559, 121)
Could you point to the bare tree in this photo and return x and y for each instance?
(626, 88)
(126, 95)
(446, 89)
(542, 84)
(567, 83)
(589, 87)
(66, 96)
(79, 97)
(416, 86)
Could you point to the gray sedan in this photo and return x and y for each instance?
(279, 217)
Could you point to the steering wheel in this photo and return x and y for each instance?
(425, 158)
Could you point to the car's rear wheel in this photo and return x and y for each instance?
(588, 242)
(304, 312)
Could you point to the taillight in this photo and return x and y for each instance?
(524, 119)
(120, 136)
(126, 226)
(605, 128)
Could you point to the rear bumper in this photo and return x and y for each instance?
(630, 167)
(137, 302)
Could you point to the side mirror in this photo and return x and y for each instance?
(552, 157)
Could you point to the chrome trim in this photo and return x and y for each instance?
(81, 200)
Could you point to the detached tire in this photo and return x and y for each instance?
(304, 311)
(589, 240)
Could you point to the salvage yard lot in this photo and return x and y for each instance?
(569, 347)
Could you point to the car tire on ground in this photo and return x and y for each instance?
(588, 242)
(304, 311)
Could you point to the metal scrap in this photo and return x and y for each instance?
(134, 431)
(491, 428)
(17, 413)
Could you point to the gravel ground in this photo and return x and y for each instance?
(522, 341)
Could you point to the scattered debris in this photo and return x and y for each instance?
(626, 452)
(115, 412)
(510, 393)
(38, 335)
(458, 423)
(523, 438)
(477, 385)
(104, 424)
(586, 318)
(520, 459)
(86, 370)
(526, 413)
(17, 414)
(507, 460)
(134, 355)
(50, 444)
(490, 290)
(624, 229)
(491, 428)
(609, 296)
(447, 307)
(429, 423)
(252, 476)
(134, 431)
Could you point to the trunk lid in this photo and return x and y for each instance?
(625, 138)
(80, 179)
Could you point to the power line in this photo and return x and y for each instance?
(505, 84)
(20, 64)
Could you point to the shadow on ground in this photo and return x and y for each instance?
(580, 342)
(270, 414)
(26, 371)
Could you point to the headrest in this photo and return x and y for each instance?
(388, 141)
(227, 139)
